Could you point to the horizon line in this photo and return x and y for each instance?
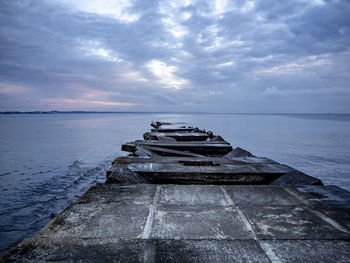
(159, 112)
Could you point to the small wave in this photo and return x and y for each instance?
(49, 196)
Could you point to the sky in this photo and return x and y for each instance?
(249, 56)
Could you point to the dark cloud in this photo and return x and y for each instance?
(224, 56)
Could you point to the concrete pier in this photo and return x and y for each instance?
(196, 223)
(291, 217)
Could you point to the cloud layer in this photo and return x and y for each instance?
(223, 56)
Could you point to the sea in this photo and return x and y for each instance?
(48, 160)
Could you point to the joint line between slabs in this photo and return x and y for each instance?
(241, 215)
(265, 247)
(148, 225)
(317, 213)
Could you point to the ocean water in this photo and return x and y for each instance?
(48, 160)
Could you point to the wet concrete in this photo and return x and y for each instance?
(206, 214)
(178, 136)
(208, 148)
(183, 223)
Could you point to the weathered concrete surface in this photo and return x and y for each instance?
(178, 136)
(236, 166)
(193, 170)
(289, 220)
(194, 223)
(174, 129)
(233, 168)
(148, 151)
(197, 159)
(210, 148)
(330, 200)
(295, 177)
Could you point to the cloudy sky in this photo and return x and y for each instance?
(185, 55)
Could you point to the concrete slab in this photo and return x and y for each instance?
(89, 251)
(328, 195)
(173, 130)
(260, 195)
(189, 223)
(207, 148)
(290, 222)
(309, 250)
(194, 159)
(137, 250)
(175, 143)
(297, 178)
(178, 136)
(192, 195)
(192, 171)
(210, 251)
(341, 215)
(329, 200)
(198, 222)
(123, 194)
(166, 152)
(98, 221)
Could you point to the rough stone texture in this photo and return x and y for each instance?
(198, 222)
(329, 200)
(290, 222)
(240, 167)
(138, 250)
(209, 148)
(251, 195)
(194, 223)
(295, 177)
(210, 251)
(200, 170)
(158, 151)
(238, 152)
(125, 194)
(178, 136)
(309, 250)
(188, 195)
(162, 130)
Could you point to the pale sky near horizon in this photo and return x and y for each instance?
(214, 56)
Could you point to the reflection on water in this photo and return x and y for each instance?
(47, 161)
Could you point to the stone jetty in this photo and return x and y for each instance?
(186, 195)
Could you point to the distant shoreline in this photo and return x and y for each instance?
(81, 112)
(160, 112)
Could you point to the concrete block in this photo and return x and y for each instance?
(122, 194)
(328, 195)
(192, 195)
(260, 195)
(198, 222)
(309, 250)
(290, 222)
(178, 136)
(136, 250)
(209, 251)
(98, 221)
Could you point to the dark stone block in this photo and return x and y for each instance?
(290, 222)
(198, 222)
(309, 250)
(124, 194)
(295, 177)
(141, 251)
(192, 195)
(183, 251)
(260, 195)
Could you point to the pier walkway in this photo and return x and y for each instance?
(198, 199)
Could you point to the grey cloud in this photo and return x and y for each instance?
(56, 52)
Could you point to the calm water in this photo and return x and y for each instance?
(47, 161)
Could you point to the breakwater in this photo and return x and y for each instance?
(184, 194)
